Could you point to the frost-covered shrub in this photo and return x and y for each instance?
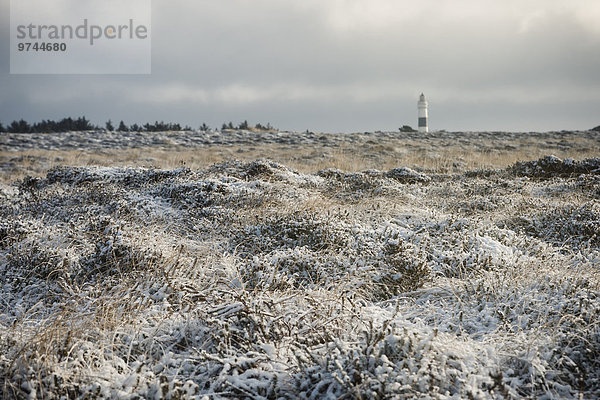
(12, 232)
(112, 256)
(389, 268)
(304, 251)
(299, 229)
(129, 177)
(354, 183)
(36, 260)
(331, 173)
(578, 226)
(197, 194)
(407, 175)
(262, 169)
(401, 269)
(297, 267)
(551, 166)
(576, 357)
(456, 248)
(30, 185)
(395, 362)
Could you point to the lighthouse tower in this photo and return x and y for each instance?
(423, 117)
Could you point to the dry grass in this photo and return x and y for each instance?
(448, 157)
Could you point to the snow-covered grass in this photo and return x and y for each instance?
(253, 280)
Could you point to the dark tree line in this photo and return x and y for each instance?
(147, 127)
(245, 126)
(64, 125)
(82, 124)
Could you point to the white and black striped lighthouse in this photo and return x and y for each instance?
(423, 117)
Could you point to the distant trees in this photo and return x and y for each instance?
(596, 129)
(148, 127)
(20, 126)
(64, 125)
(83, 124)
(261, 127)
(122, 127)
(227, 126)
(246, 126)
(162, 126)
(80, 124)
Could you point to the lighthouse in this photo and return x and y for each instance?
(423, 118)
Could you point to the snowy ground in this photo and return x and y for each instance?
(431, 141)
(254, 280)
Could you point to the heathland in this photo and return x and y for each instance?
(291, 265)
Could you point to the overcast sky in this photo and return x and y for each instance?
(341, 65)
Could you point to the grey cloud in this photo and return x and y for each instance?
(347, 65)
